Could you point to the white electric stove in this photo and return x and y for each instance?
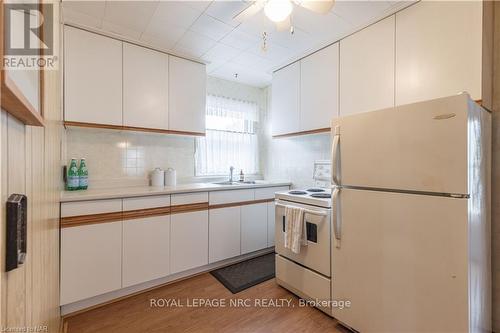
(317, 195)
(307, 273)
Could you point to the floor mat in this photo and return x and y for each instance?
(247, 273)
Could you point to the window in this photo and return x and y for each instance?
(231, 138)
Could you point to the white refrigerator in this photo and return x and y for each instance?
(411, 218)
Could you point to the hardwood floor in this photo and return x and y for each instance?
(135, 314)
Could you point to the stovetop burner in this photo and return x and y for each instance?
(297, 192)
(315, 190)
(321, 195)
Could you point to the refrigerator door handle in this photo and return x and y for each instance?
(335, 156)
(336, 217)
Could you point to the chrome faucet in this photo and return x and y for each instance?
(231, 169)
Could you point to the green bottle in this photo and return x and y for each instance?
(72, 180)
(83, 175)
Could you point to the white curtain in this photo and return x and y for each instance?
(231, 138)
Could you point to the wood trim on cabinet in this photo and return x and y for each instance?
(76, 221)
(12, 98)
(315, 131)
(241, 203)
(194, 207)
(144, 213)
(130, 128)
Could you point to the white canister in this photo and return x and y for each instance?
(157, 177)
(170, 177)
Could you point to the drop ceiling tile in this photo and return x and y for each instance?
(321, 27)
(240, 40)
(226, 10)
(245, 75)
(257, 24)
(194, 44)
(273, 52)
(298, 41)
(165, 44)
(359, 13)
(93, 9)
(210, 27)
(221, 52)
(120, 30)
(134, 15)
(78, 18)
(171, 14)
(198, 5)
(246, 59)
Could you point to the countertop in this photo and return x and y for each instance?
(140, 191)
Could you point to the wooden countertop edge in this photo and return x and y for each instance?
(80, 220)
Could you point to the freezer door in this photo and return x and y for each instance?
(401, 262)
(416, 147)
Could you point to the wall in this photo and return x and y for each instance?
(126, 158)
(30, 157)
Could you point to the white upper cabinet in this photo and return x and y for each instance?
(438, 50)
(285, 100)
(319, 76)
(145, 87)
(187, 95)
(92, 78)
(367, 69)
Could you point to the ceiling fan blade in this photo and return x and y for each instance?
(317, 6)
(251, 10)
(284, 25)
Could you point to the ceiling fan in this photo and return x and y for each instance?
(279, 11)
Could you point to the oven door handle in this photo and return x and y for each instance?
(307, 211)
(337, 222)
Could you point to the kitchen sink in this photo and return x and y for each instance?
(235, 183)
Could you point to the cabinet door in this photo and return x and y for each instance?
(187, 95)
(270, 223)
(91, 260)
(438, 50)
(253, 227)
(92, 78)
(367, 63)
(224, 233)
(319, 76)
(285, 100)
(146, 249)
(145, 87)
(188, 241)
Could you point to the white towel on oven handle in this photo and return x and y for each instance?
(295, 228)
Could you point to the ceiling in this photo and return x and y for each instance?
(205, 31)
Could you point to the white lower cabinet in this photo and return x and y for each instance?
(271, 215)
(90, 260)
(188, 240)
(146, 249)
(253, 227)
(224, 233)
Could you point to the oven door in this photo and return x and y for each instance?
(316, 255)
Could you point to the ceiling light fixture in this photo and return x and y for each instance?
(278, 10)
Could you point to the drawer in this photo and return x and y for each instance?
(189, 198)
(230, 196)
(146, 202)
(79, 208)
(268, 192)
(301, 280)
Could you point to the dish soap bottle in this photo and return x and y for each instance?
(83, 175)
(242, 176)
(72, 182)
